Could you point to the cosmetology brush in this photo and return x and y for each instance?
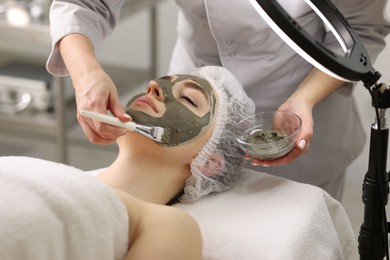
(155, 133)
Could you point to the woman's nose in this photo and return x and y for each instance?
(154, 89)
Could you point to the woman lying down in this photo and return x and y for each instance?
(54, 211)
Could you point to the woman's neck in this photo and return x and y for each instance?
(144, 178)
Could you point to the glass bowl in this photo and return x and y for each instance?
(268, 135)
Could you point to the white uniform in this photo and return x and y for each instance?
(231, 34)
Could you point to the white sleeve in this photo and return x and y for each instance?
(367, 18)
(94, 19)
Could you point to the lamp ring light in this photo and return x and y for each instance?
(354, 66)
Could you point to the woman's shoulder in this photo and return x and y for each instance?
(160, 231)
(149, 216)
(169, 233)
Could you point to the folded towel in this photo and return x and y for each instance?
(54, 211)
(266, 217)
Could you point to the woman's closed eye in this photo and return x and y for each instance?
(193, 96)
(189, 100)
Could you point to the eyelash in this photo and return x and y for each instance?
(189, 100)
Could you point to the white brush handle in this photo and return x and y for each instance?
(131, 126)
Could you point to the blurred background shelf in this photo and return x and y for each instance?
(59, 124)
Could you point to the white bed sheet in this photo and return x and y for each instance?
(266, 217)
(271, 218)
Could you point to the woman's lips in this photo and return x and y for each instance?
(144, 100)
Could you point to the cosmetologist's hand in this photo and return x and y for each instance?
(94, 89)
(304, 111)
(96, 92)
(315, 87)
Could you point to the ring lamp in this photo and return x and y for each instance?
(354, 66)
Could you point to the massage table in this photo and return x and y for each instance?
(50, 210)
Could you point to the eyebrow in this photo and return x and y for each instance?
(168, 77)
(194, 85)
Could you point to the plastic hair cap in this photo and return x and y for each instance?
(218, 165)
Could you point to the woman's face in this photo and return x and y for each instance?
(184, 104)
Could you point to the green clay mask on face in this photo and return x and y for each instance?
(182, 123)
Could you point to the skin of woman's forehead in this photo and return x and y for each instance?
(201, 81)
(182, 123)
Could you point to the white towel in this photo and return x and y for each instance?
(76, 217)
(53, 211)
(266, 217)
